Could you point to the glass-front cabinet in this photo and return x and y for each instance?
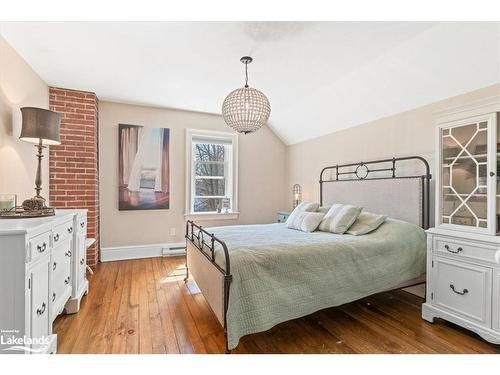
(468, 182)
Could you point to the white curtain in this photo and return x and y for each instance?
(129, 139)
(148, 157)
(134, 179)
(159, 158)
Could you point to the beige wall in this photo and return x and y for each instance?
(19, 86)
(261, 175)
(404, 134)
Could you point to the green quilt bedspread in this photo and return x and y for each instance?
(281, 274)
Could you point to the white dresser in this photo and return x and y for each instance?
(463, 250)
(42, 274)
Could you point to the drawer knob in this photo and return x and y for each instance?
(66, 281)
(41, 310)
(68, 254)
(463, 292)
(448, 249)
(70, 230)
(82, 261)
(56, 237)
(53, 297)
(54, 266)
(41, 248)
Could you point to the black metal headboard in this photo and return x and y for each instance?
(385, 169)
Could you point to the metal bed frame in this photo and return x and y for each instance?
(206, 242)
(356, 175)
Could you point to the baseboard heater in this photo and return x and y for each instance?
(111, 254)
(174, 250)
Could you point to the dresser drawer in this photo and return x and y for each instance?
(60, 290)
(38, 246)
(81, 224)
(463, 289)
(62, 232)
(463, 248)
(61, 256)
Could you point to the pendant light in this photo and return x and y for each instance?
(246, 109)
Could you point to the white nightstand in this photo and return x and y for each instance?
(463, 281)
(282, 216)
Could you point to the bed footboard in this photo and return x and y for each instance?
(213, 279)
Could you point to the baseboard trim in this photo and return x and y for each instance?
(111, 254)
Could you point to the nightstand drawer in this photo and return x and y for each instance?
(462, 248)
(463, 289)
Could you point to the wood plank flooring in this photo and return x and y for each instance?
(143, 306)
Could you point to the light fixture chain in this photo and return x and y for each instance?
(246, 74)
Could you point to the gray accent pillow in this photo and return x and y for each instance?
(306, 221)
(365, 223)
(303, 207)
(339, 218)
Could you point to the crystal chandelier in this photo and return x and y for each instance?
(246, 109)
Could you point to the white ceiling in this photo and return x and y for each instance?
(319, 77)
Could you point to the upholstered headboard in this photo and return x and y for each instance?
(381, 186)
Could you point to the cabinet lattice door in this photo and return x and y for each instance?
(465, 165)
(466, 161)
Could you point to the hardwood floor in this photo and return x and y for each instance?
(143, 306)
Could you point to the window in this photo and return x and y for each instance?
(212, 174)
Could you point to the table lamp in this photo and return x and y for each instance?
(297, 195)
(41, 127)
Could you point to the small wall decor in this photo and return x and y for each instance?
(144, 172)
(226, 205)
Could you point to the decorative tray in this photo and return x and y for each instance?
(20, 213)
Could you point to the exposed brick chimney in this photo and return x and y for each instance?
(74, 168)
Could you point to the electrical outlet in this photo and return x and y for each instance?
(172, 231)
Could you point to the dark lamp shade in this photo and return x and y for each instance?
(40, 125)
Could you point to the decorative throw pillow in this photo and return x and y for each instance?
(365, 223)
(339, 218)
(324, 226)
(303, 207)
(306, 221)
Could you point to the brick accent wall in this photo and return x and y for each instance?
(74, 169)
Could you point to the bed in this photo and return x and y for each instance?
(257, 276)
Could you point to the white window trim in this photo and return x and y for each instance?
(234, 214)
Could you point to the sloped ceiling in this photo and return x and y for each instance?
(319, 77)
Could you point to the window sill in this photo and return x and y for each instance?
(212, 216)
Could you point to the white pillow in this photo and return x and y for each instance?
(365, 223)
(303, 207)
(306, 221)
(339, 218)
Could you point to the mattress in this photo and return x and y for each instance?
(281, 274)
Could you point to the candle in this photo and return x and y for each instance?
(7, 202)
